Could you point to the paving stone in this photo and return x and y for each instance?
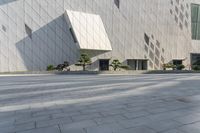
(51, 129)
(23, 127)
(188, 119)
(61, 115)
(134, 109)
(79, 125)
(174, 131)
(161, 126)
(113, 112)
(7, 114)
(53, 122)
(64, 130)
(46, 112)
(191, 128)
(141, 129)
(6, 122)
(136, 114)
(7, 129)
(157, 110)
(108, 128)
(167, 115)
(25, 120)
(110, 119)
(134, 122)
(86, 117)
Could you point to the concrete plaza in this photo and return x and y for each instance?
(167, 103)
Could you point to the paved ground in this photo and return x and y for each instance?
(100, 104)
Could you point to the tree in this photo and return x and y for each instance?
(116, 64)
(84, 61)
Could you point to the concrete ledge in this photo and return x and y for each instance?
(171, 71)
(49, 72)
(149, 72)
(101, 72)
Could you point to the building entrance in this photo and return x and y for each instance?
(195, 61)
(137, 64)
(104, 65)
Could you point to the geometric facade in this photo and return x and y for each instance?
(142, 33)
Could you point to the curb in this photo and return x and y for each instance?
(99, 72)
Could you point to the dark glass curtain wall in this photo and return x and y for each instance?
(195, 21)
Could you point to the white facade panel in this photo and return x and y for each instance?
(89, 30)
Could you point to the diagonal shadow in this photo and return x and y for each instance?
(47, 46)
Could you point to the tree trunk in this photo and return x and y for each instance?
(84, 67)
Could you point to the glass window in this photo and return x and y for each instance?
(198, 17)
(3, 28)
(198, 31)
(28, 30)
(194, 30)
(195, 60)
(73, 35)
(117, 3)
(194, 9)
(195, 18)
(146, 38)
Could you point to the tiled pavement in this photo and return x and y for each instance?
(100, 104)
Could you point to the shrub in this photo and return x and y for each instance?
(169, 65)
(61, 67)
(196, 67)
(50, 68)
(180, 67)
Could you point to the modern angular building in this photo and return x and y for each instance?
(144, 34)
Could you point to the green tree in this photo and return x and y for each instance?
(116, 64)
(84, 61)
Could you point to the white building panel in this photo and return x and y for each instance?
(89, 30)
